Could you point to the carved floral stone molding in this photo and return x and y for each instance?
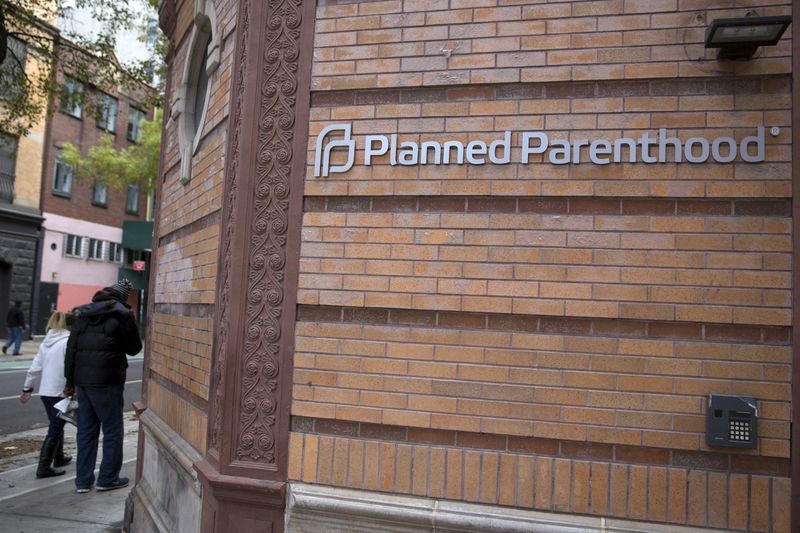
(267, 259)
(229, 225)
(260, 238)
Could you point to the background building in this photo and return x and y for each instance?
(83, 249)
(20, 217)
(475, 347)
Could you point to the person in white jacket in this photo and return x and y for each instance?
(49, 364)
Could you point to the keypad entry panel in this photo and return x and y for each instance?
(731, 421)
(739, 429)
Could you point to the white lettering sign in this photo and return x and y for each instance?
(646, 149)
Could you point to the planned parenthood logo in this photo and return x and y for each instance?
(649, 148)
(322, 158)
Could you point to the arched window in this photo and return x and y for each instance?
(201, 87)
(190, 102)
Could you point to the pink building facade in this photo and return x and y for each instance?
(79, 256)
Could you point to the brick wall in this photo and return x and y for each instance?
(672, 271)
(458, 42)
(188, 241)
(686, 496)
(546, 321)
(538, 336)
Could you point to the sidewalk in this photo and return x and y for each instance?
(33, 505)
(27, 353)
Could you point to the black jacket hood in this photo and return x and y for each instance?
(101, 307)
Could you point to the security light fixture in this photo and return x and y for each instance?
(739, 38)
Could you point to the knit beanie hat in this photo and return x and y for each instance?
(120, 290)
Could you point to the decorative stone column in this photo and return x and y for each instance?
(245, 468)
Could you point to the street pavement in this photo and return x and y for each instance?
(33, 505)
(15, 417)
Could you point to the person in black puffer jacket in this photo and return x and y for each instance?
(103, 332)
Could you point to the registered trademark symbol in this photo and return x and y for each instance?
(774, 131)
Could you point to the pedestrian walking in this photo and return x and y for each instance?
(103, 332)
(15, 320)
(49, 366)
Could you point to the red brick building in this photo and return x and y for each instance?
(82, 249)
(473, 265)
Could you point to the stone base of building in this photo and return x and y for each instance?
(19, 263)
(315, 508)
(167, 497)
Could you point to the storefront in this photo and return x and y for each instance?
(470, 265)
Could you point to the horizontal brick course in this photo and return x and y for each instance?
(591, 265)
(543, 324)
(186, 419)
(490, 41)
(180, 351)
(645, 95)
(465, 376)
(616, 453)
(533, 481)
(550, 205)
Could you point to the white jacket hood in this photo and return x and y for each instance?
(54, 336)
(49, 364)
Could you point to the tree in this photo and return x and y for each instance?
(119, 168)
(32, 50)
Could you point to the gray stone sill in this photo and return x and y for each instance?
(314, 508)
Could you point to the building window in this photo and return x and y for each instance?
(62, 178)
(106, 112)
(73, 246)
(196, 84)
(72, 98)
(100, 194)
(132, 200)
(115, 252)
(12, 70)
(201, 87)
(96, 249)
(8, 165)
(135, 118)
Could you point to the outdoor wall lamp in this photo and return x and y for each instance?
(739, 38)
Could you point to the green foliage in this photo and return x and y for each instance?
(25, 92)
(135, 165)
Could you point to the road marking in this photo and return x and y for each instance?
(35, 394)
(16, 397)
(56, 482)
(27, 366)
